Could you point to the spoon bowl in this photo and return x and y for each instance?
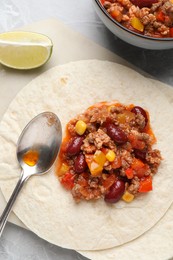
(37, 149)
(42, 136)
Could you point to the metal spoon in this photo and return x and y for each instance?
(37, 149)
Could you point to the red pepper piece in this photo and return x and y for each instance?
(68, 181)
(145, 184)
(129, 173)
(160, 16)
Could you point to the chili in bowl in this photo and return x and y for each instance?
(107, 153)
(143, 23)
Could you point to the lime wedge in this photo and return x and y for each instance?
(24, 50)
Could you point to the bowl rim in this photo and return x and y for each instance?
(166, 39)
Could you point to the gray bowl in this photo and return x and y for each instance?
(129, 36)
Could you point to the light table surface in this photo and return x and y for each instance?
(16, 242)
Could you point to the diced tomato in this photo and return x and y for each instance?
(139, 145)
(160, 16)
(82, 181)
(102, 1)
(85, 175)
(109, 181)
(129, 173)
(171, 32)
(145, 184)
(104, 150)
(116, 14)
(68, 181)
(137, 164)
(139, 167)
(135, 143)
(89, 158)
(141, 171)
(116, 163)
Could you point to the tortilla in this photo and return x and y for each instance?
(157, 243)
(44, 206)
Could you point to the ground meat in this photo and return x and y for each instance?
(125, 3)
(71, 127)
(101, 138)
(98, 138)
(98, 115)
(138, 122)
(163, 29)
(117, 110)
(88, 148)
(107, 4)
(141, 136)
(154, 158)
(91, 189)
(134, 186)
(155, 6)
(107, 166)
(148, 20)
(97, 160)
(126, 158)
(91, 127)
(88, 144)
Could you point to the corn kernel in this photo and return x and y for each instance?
(99, 157)
(128, 197)
(80, 127)
(63, 169)
(110, 156)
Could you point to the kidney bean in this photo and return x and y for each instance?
(74, 145)
(140, 110)
(140, 154)
(116, 133)
(80, 164)
(144, 3)
(124, 179)
(116, 192)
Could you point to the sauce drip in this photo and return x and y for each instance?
(31, 157)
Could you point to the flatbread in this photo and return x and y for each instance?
(44, 206)
(157, 243)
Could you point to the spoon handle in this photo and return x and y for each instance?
(8, 208)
